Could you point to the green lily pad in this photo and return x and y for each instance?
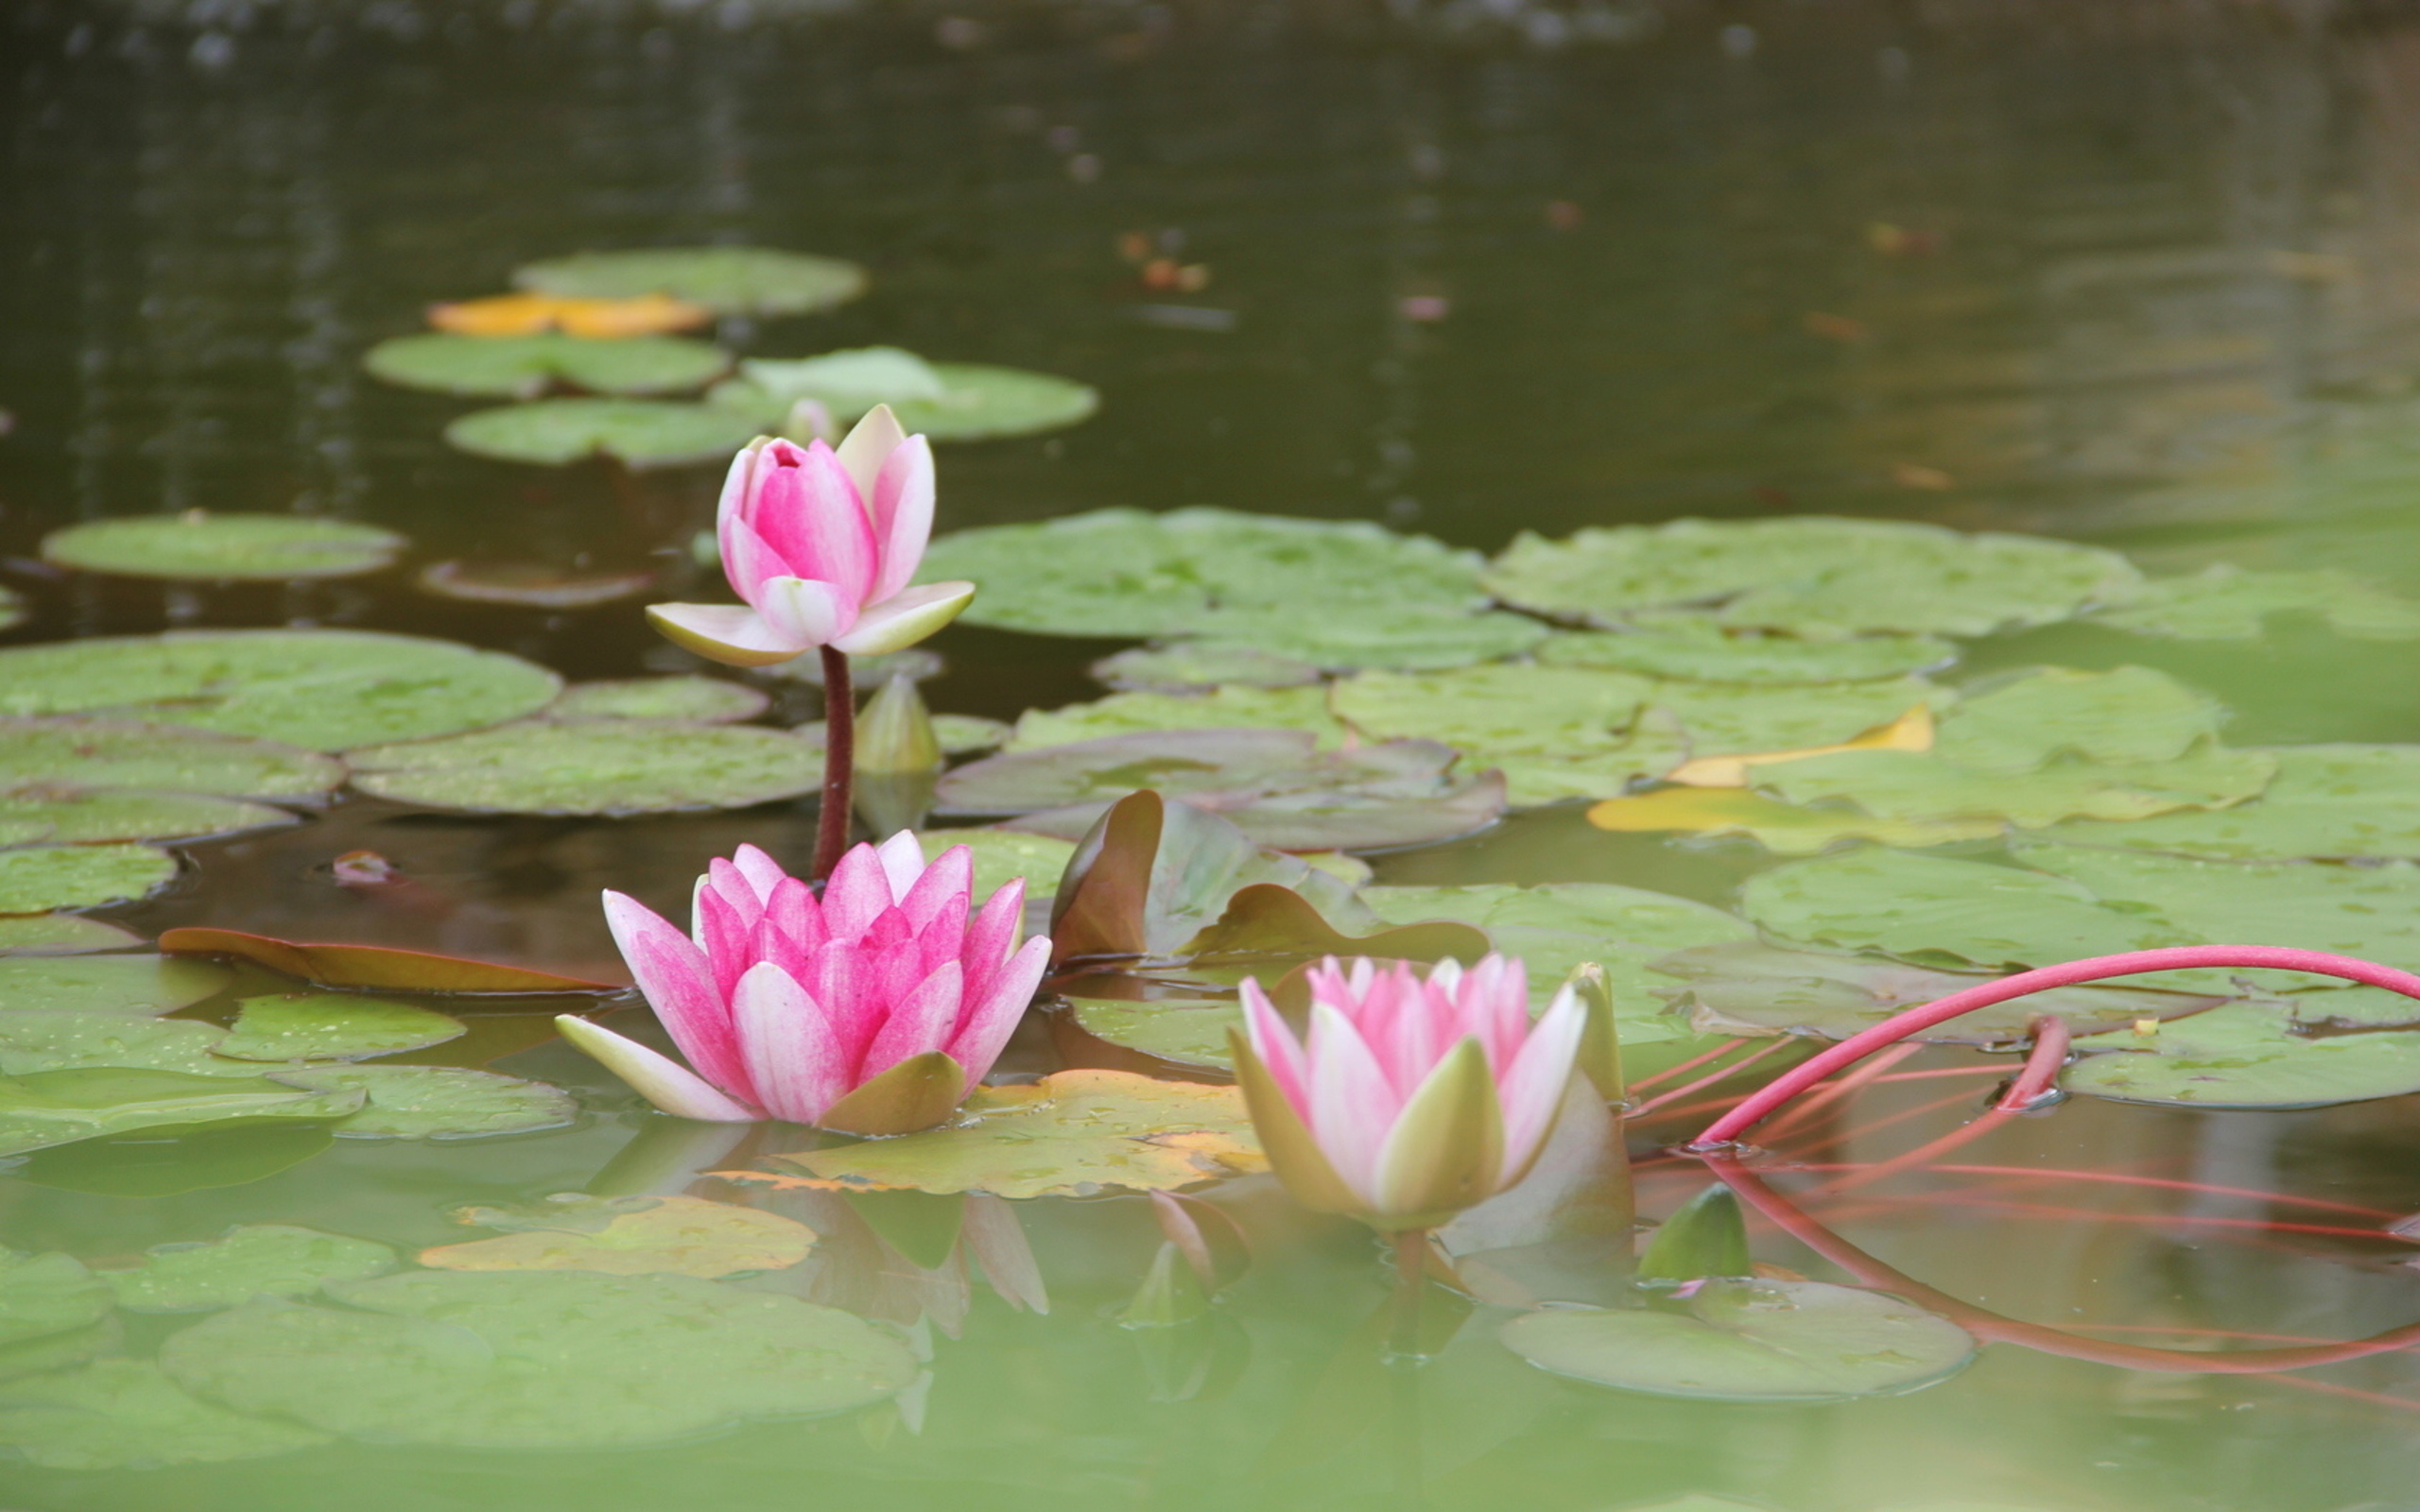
(325, 690)
(529, 584)
(80, 754)
(606, 766)
(2129, 714)
(249, 1261)
(1198, 666)
(1270, 783)
(1555, 732)
(117, 1414)
(1739, 1340)
(1749, 988)
(1001, 857)
(66, 815)
(57, 1351)
(1728, 719)
(639, 433)
(2227, 603)
(1813, 575)
(13, 608)
(2326, 802)
(41, 1295)
(526, 366)
(945, 401)
(436, 1102)
(40, 878)
(59, 934)
(1131, 713)
(965, 734)
(1124, 572)
(224, 547)
(199, 1161)
(331, 1026)
(1705, 1237)
(1189, 1032)
(1071, 1133)
(49, 1108)
(1916, 787)
(1778, 827)
(639, 1236)
(1701, 649)
(700, 701)
(33, 1039)
(2244, 1056)
(1415, 638)
(726, 280)
(537, 1359)
(143, 984)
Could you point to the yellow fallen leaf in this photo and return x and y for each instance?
(681, 1236)
(1912, 731)
(524, 314)
(505, 315)
(1780, 826)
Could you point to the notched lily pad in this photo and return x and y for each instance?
(639, 433)
(137, 985)
(726, 280)
(2245, 1055)
(1073, 1132)
(537, 1360)
(197, 545)
(47, 1294)
(49, 1108)
(331, 1026)
(1555, 732)
(2228, 603)
(1189, 1032)
(524, 366)
(126, 1414)
(1742, 1340)
(1913, 789)
(700, 701)
(39, 878)
(1194, 666)
(1700, 647)
(436, 1102)
(59, 934)
(2326, 802)
(600, 767)
(248, 1260)
(674, 1235)
(945, 401)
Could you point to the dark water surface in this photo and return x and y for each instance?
(2155, 283)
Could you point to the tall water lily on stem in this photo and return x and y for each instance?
(1411, 1099)
(819, 545)
(873, 1011)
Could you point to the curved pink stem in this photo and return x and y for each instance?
(1728, 1128)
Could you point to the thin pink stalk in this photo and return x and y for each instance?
(1936, 1076)
(2157, 1220)
(1870, 1072)
(1727, 1129)
(2038, 1173)
(2042, 1067)
(1900, 1117)
(1691, 1064)
(1718, 1073)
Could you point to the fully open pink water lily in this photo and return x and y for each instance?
(875, 1009)
(1413, 1099)
(819, 545)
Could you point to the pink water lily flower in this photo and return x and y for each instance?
(819, 545)
(875, 1009)
(1413, 1099)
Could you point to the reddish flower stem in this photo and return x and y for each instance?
(1728, 1128)
(2042, 1067)
(2122, 1178)
(1871, 1070)
(839, 763)
(1691, 1064)
(1718, 1073)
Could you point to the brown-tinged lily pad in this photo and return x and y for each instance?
(529, 585)
(1073, 1132)
(674, 1235)
(373, 968)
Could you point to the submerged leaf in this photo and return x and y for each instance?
(249, 1261)
(726, 280)
(676, 1235)
(373, 968)
(331, 1026)
(639, 433)
(602, 766)
(530, 585)
(224, 547)
(120, 1413)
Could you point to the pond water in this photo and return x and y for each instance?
(2138, 277)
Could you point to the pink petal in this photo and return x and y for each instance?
(985, 1028)
(1272, 1039)
(732, 634)
(725, 936)
(732, 886)
(789, 1045)
(804, 610)
(902, 514)
(767, 943)
(998, 1241)
(859, 893)
(903, 863)
(1351, 1107)
(680, 985)
(921, 1020)
(1530, 1088)
(747, 563)
(737, 480)
(993, 935)
(666, 1083)
(930, 889)
(794, 911)
(810, 512)
(763, 873)
(840, 981)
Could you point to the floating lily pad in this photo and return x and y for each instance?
(67, 816)
(1071, 1133)
(2326, 802)
(1001, 857)
(1555, 732)
(249, 1261)
(702, 701)
(59, 1352)
(1270, 783)
(640, 433)
(526, 366)
(1701, 649)
(537, 1360)
(2227, 603)
(1732, 719)
(2129, 714)
(1129, 713)
(965, 734)
(530, 585)
(1915, 787)
(2243, 1055)
(610, 766)
(41, 1295)
(115, 1413)
(1756, 988)
(436, 1102)
(13, 608)
(326, 690)
(945, 401)
(78, 754)
(49, 1108)
(520, 315)
(375, 968)
(1781, 828)
(1414, 638)
(59, 934)
(331, 1026)
(726, 280)
(1813, 575)
(1196, 666)
(34, 1040)
(1182, 1031)
(224, 547)
(674, 1235)
(1739, 1340)
(40, 878)
(143, 985)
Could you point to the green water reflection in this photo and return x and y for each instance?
(1473, 267)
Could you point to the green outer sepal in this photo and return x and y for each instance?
(1600, 1044)
(918, 1093)
(1446, 1150)
(1296, 1158)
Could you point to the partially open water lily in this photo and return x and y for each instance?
(819, 543)
(1411, 1099)
(873, 1011)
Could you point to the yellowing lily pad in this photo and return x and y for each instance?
(608, 766)
(523, 315)
(249, 1261)
(1911, 731)
(1782, 827)
(676, 1235)
(224, 547)
(523, 367)
(331, 1026)
(1071, 1133)
(38, 879)
(726, 280)
(639, 433)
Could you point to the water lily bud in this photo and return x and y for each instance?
(809, 422)
(895, 731)
(1600, 1044)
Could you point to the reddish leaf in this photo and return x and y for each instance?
(374, 967)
